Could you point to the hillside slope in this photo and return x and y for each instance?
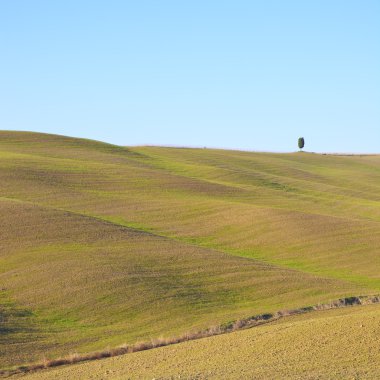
(312, 346)
(103, 245)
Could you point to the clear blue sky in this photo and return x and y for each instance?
(240, 74)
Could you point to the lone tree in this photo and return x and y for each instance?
(301, 142)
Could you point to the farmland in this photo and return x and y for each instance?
(103, 245)
(312, 346)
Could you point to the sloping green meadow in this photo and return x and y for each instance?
(333, 344)
(103, 245)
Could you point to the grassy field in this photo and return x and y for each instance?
(333, 344)
(103, 245)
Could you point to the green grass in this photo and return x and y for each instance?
(333, 344)
(103, 245)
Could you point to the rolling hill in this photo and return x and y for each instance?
(103, 245)
(333, 344)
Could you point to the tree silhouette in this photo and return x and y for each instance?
(301, 142)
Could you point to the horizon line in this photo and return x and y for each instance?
(181, 146)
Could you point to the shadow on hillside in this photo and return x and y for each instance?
(14, 321)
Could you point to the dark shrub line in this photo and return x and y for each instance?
(212, 331)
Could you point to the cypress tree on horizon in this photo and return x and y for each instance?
(301, 142)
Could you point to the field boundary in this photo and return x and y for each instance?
(224, 328)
